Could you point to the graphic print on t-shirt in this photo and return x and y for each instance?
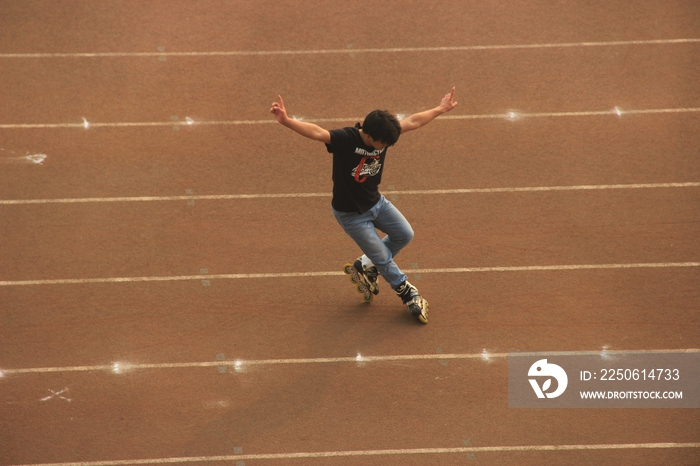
(366, 153)
(368, 166)
(357, 170)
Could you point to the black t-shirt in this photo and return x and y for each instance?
(354, 191)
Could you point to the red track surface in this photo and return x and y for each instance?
(384, 412)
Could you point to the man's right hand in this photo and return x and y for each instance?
(306, 129)
(278, 110)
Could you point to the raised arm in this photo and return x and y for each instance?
(304, 128)
(417, 120)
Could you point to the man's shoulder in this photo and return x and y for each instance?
(348, 131)
(344, 137)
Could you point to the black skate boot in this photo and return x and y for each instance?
(364, 278)
(417, 306)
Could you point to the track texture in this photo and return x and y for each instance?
(165, 99)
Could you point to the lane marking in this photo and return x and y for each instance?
(238, 364)
(511, 116)
(355, 453)
(164, 198)
(25, 159)
(167, 278)
(615, 111)
(243, 53)
(219, 197)
(241, 276)
(58, 394)
(534, 268)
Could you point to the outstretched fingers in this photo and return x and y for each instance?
(278, 106)
(448, 101)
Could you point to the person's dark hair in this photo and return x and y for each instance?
(382, 126)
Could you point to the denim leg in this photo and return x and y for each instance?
(392, 222)
(361, 228)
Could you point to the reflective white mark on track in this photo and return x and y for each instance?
(356, 453)
(253, 53)
(509, 116)
(243, 276)
(239, 364)
(224, 197)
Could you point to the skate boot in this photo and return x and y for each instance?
(364, 278)
(417, 306)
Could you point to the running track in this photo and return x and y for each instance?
(170, 286)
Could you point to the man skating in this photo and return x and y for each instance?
(358, 162)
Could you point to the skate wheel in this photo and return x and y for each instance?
(352, 279)
(368, 297)
(360, 288)
(423, 316)
(348, 269)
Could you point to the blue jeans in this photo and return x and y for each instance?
(386, 218)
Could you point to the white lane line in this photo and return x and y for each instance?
(221, 197)
(691, 184)
(356, 453)
(615, 111)
(217, 197)
(132, 124)
(168, 278)
(243, 53)
(241, 364)
(239, 276)
(534, 268)
(504, 116)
